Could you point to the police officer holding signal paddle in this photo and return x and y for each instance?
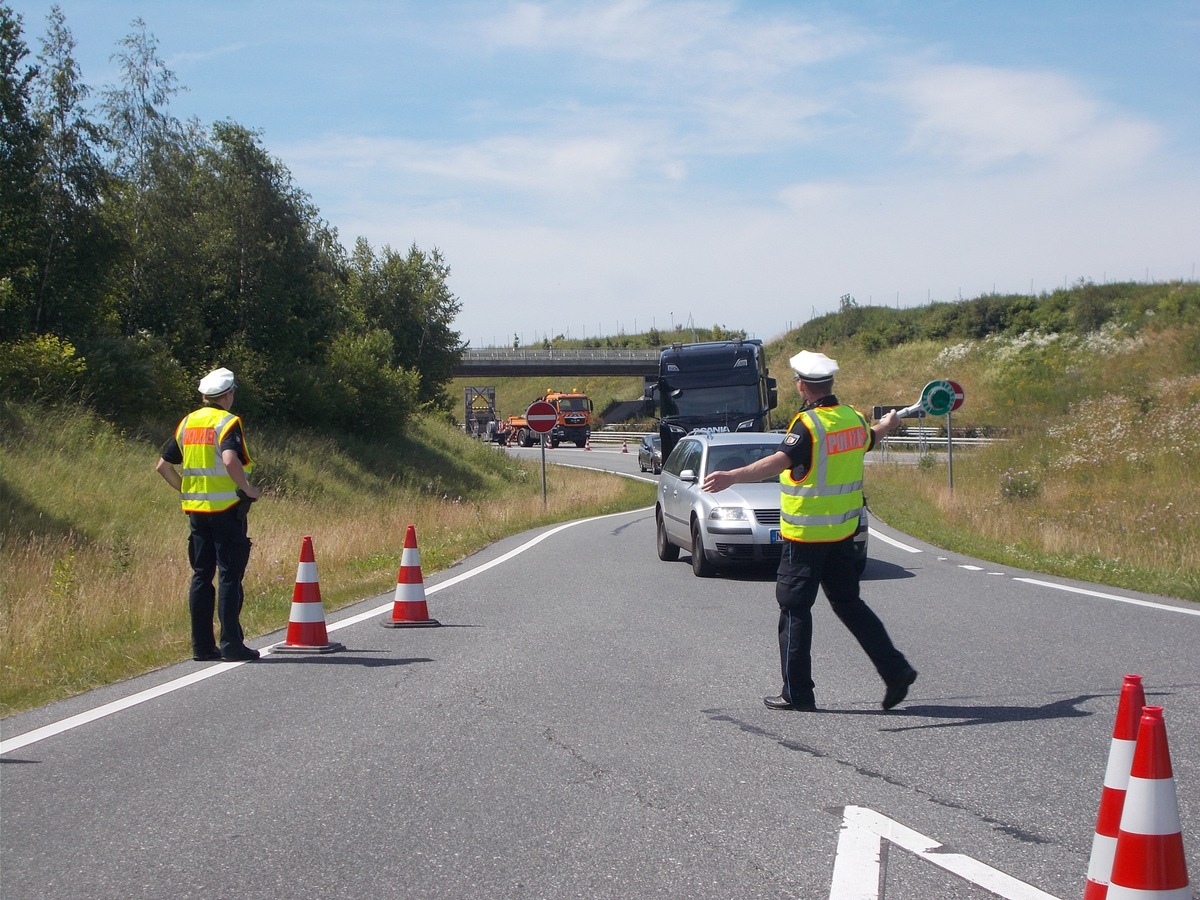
(820, 469)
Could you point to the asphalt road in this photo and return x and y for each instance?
(588, 723)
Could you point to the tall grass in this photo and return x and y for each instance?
(95, 572)
(1096, 479)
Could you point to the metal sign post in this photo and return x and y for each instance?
(541, 416)
(956, 400)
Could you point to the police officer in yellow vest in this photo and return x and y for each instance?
(820, 469)
(210, 447)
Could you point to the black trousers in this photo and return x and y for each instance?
(831, 566)
(217, 545)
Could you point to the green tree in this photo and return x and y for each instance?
(140, 130)
(21, 228)
(267, 254)
(407, 296)
(76, 247)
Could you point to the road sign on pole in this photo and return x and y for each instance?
(959, 395)
(541, 416)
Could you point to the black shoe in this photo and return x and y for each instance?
(239, 654)
(208, 656)
(897, 690)
(781, 703)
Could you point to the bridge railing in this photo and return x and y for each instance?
(502, 355)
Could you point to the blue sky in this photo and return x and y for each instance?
(588, 168)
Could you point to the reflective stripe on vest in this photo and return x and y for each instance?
(826, 504)
(207, 486)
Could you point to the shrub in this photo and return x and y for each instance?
(42, 367)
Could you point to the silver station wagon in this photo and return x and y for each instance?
(739, 525)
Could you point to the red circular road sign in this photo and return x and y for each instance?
(541, 416)
(959, 396)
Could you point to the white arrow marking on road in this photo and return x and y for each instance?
(856, 868)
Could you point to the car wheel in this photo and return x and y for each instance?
(667, 551)
(700, 564)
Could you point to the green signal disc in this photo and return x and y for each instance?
(938, 398)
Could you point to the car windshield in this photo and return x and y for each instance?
(737, 455)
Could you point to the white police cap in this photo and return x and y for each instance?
(216, 383)
(813, 367)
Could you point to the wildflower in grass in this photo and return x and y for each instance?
(1019, 485)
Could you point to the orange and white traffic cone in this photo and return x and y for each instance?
(1116, 781)
(587, 443)
(306, 625)
(409, 609)
(625, 446)
(1149, 861)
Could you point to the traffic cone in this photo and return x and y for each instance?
(587, 443)
(1116, 781)
(306, 625)
(409, 609)
(625, 446)
(1149, 859)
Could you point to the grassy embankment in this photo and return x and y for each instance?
(95, 573)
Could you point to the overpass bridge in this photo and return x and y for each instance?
(499, 362)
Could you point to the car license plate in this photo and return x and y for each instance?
(776, 537)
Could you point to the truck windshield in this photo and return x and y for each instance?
(572, 404)
(734, 401)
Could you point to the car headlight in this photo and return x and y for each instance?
(728, 514)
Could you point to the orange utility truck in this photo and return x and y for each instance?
(574, 423)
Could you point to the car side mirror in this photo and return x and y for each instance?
(688, 475)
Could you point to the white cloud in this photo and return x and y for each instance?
(697, 43)
(984, 117)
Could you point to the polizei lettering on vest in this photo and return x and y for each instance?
(843, 441)
(198, 435)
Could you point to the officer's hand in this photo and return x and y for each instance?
(891, 421)
(716, 481)
(254, 493)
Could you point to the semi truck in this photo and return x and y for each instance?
(715, 385)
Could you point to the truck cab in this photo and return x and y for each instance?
(716, 385)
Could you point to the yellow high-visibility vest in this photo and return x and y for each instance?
(206, 487)
(826, 504)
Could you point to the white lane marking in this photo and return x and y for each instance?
(857, 870)
(1049, 584)
(1103, 596)
(892, 541)
(47, 731)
